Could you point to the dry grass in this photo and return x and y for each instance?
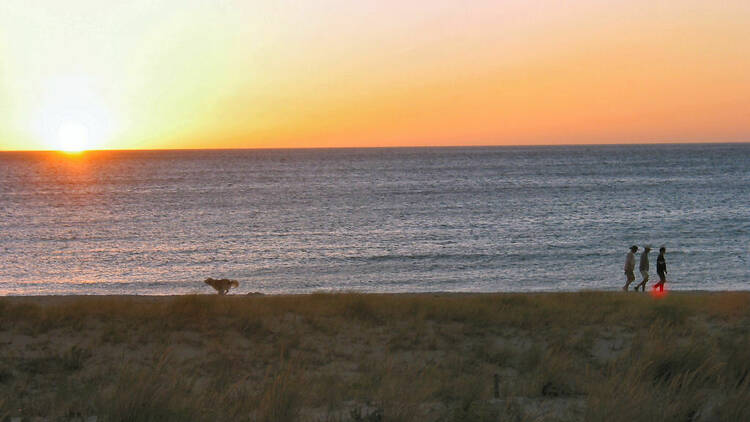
(354, 357)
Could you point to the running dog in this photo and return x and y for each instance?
(222, 286)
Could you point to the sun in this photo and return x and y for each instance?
(73, 137)
(72, 116)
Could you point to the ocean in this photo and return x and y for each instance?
(480, 219)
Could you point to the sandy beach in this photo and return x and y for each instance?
(366, 357)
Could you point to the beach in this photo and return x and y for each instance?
(367, 357)
(410, 211)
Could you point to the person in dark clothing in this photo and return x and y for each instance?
(661, 269)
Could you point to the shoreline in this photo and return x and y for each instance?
(373, 293)
(61, 299)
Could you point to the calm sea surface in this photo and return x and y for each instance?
(375, 220)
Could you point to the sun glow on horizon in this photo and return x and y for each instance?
(72, 115)
(73, 137)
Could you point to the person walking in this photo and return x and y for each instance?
(661, 269)
(630, 267)
(643, 267)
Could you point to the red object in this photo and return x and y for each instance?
(658, 291)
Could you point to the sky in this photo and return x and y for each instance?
(93, 74)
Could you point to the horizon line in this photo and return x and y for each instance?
(381, 147)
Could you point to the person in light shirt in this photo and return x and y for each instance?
(643, 267)
(630, 267)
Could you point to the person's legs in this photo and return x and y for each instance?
(662, 280)
(642, 284)
(630, 278)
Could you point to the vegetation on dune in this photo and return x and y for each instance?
(365, 357)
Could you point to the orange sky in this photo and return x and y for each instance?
(86, 74)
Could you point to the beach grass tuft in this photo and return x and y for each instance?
(364, 357)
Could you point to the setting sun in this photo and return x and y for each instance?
(73, 137)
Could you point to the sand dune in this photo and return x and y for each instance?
(340, 357)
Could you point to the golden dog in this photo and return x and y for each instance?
(222, 286)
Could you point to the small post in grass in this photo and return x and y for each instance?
(497, 386)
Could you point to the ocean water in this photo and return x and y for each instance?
(374, 220)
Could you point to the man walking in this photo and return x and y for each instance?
(644, 269)
(630, 267)
(661, 269)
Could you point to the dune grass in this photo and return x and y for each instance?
(591, 356)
